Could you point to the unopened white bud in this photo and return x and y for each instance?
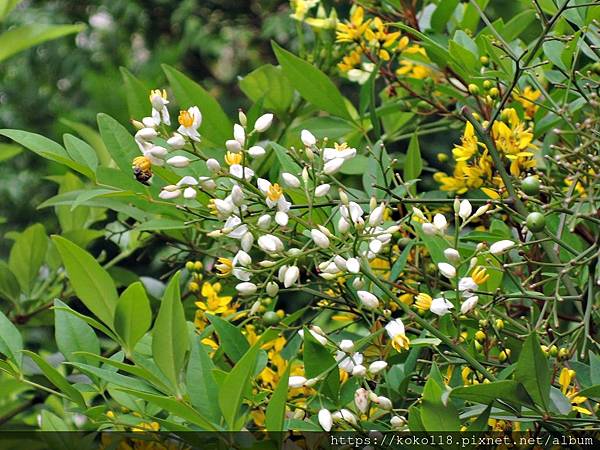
(213, 165)
(290, 180)
(368, 300)
(322, 190)
(263, 122)
(347, 345)
(233, 146)
(272, 289)
(377, 366)
(307, 138)
(256, 151)
(246, 288)
(452, 255)
(239, 134)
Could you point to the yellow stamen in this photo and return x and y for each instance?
(185, 119)
(274, 192)
(233, 158)
(480, 275)
(423, 301)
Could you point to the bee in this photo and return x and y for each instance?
(142, 169)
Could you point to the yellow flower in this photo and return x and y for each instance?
(233, 158)
(214, 303)
(565, 378)
(423, 301)
(468, 145)
(224, 266)
(410, 68)
(480, 275)
(514, 141)
(527, 99)
(351, 60)
(353, 31)
(301, 7)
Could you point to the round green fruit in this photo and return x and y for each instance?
(271, 318)
(531, 185)
(536, 222)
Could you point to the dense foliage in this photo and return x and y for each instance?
(414, 250)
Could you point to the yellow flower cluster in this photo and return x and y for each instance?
(215, 304)
(473, 168)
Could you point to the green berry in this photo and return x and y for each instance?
(271, 318)
(531, 185)
(536, 222)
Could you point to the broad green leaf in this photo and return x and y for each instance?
(112, 377)
(133, 315)
(317, 361)
(8, 151)
(57, 379)
(235, 385)
(509, 391)
(481, 423)
(201, 385)
(232, 340)
(89, 320)
(92, 284)
(471, 16)
(175, 407)
(73, 334)
(92, 137)
(268, 82)
(518, 24)
(138, 101)
(43, 147)
(9, 285)
(11, 342)
(6, 6)
(71, 217)
(169, 335)
(312, 84)
(51, 422)
(286, 161)
(81, 152)
(275, 414)
(119, 142)
(413, 165)
(532, 371)
(22, 37)
(216, 126)
(434, 414)
(554, 50)
(592, 391)
(378, 170)
(441, 15)
(27, 255)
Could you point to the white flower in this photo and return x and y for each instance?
(347, 345)
(468, 305)
(376, 215)
(273, 195)
(239, 134)
(233, 228)
(322, 190)
(190, 193)
(353, 265)
(187, 181)
(189, 122)
(467, 285)
(169, 194)
(246, 241)
(146, 134)
(178, 161)
(452, 255)
(246, 288)
(396, 332)
(325, 419)
(447, 270)
(256, 151)
(361, 400)
(290, 180)
(270, 244)
(359, 371)
(263, 122)
(296, 382)
(239, 171)
(497, 248)
(319, 337)
(319, 238)
(291, 276)
(465, 209)
(264, 221)
(429, 229)
(233, 145)
(341, 152)
(397, 421)
(158, 151)
(347, 362)
(272, 289)
(224, 207)
(347, 416)
(159, 102)
(237, 195)
(375, 246)
(339, 262)
(176, 141)
(307, 138)
(213, 165)
(377, 366)
(281, 218)
(440, 223)
(440, 306)
(384, 403)
(368, 300)
(352, 213)
(333, 166)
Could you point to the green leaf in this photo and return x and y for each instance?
(518, 25)
(235, 385)
(23, 37)
(532, 371)
(9, 285)
(509, 391)
(216, 126)
(11, 342)
(81, 152)
(554, 50)
(112, 377)
(176, 408)
(471, 16)
(312, 84)
(378, 169)
(27, 255)
(169, 335)
(592, 391)
(413, 165)
(201, 385)
(434, 414)
(73, 334)
(275, 414)
(481, 423)
(92, 284)
(231, 338)
(57, 379)
(442, 14)
(138, 102)
(317, 361)
(286, 161)
(119, 142)
(92, 137)
(6, 6)
(133, 315)
(8, 151)
(268, 82)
